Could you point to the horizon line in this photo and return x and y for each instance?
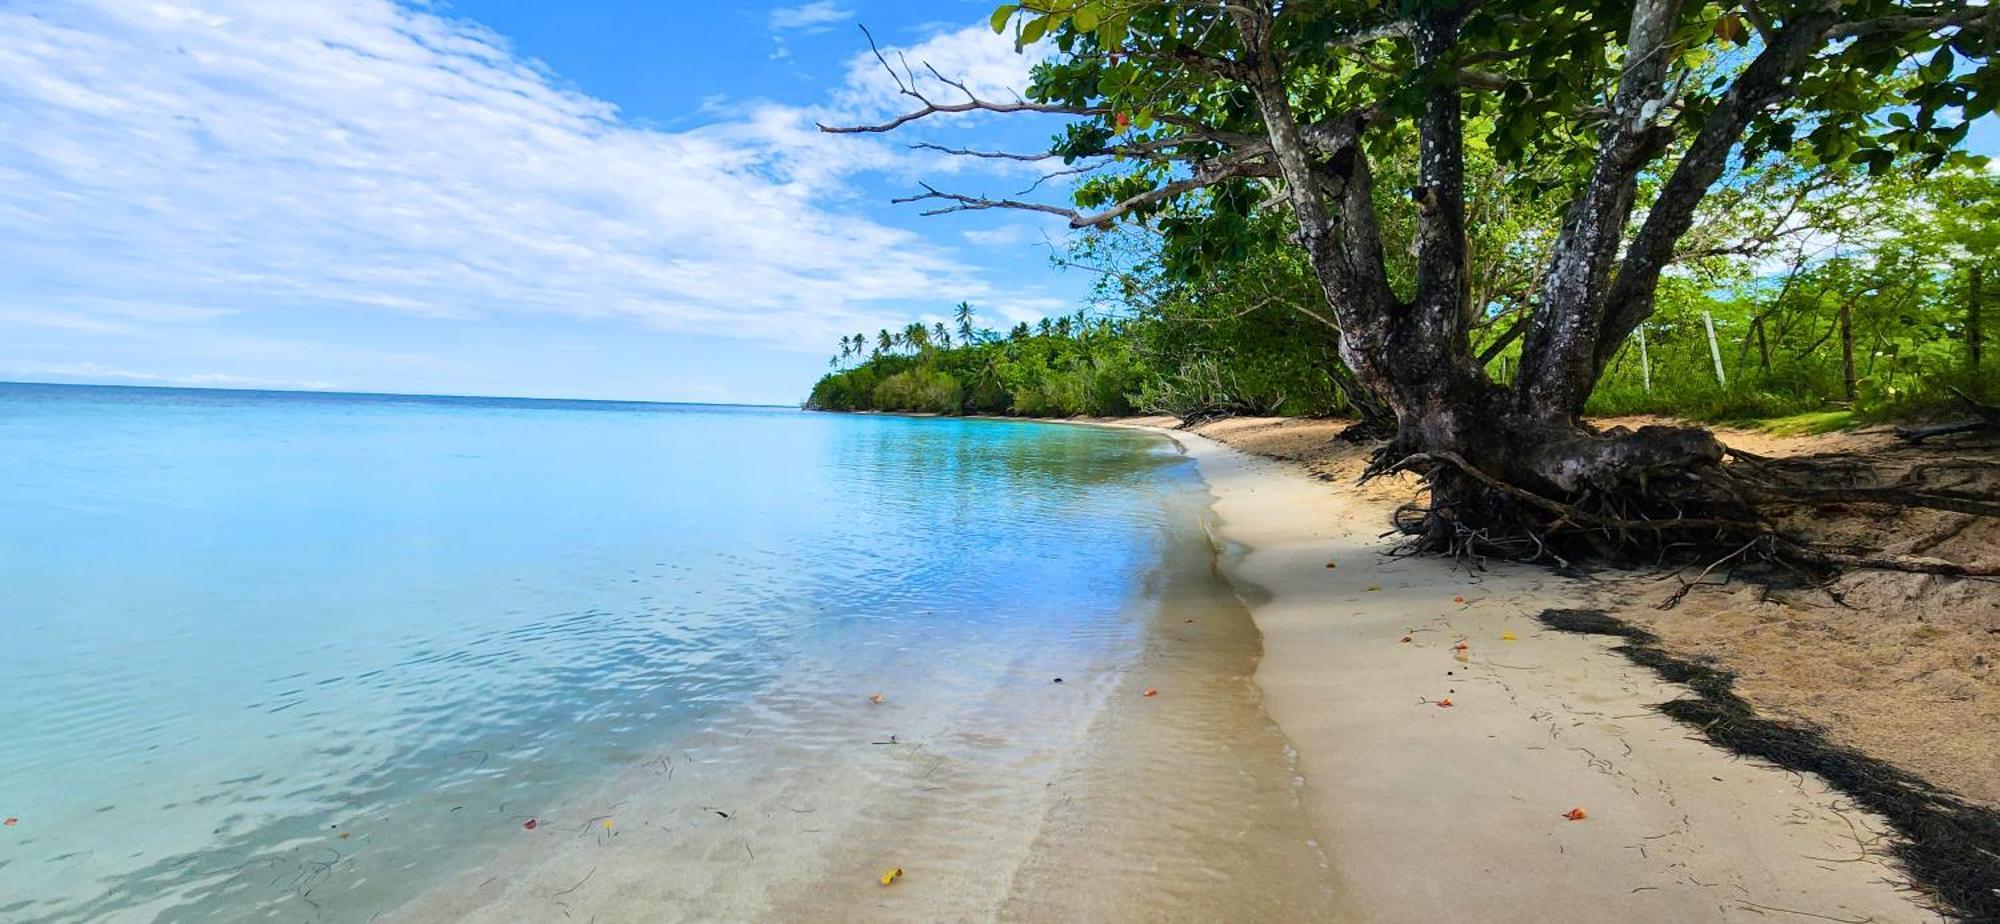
(386, 394)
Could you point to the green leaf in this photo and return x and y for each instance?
(1034, 30)
(1084, 19)
(1001, 15)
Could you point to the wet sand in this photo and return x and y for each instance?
(1084, 800)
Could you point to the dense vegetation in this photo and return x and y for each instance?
(1836, 297)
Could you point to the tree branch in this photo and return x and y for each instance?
(1630, 299)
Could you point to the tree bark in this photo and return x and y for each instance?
(1972, 331)
(1847, 349)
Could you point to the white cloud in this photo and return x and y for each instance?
(1003, 236)
(985, 63)
(816, 15)
(362, 155)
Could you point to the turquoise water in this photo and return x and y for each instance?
(235, 626)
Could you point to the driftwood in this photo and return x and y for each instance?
(1986, 417)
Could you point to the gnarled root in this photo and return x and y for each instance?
(1657, 494)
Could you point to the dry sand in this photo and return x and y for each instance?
(1431, 813)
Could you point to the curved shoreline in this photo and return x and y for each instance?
(1435, 813)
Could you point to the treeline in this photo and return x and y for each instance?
(1828, 293)
(1060, 367)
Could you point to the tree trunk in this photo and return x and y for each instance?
(1972, 332)
(1847, 349)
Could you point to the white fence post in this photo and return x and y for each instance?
(1645, 362)
(1714, 352)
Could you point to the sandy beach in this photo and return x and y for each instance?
(1431, 812)
(1392, 739)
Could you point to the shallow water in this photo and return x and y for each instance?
(307, 657)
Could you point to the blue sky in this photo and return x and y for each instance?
(607, 199)
(601, 198)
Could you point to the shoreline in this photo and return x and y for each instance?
(1434, 813)
(1170, 796)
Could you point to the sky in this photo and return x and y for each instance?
(619, 199)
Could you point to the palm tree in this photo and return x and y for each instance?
(941, 336)
(1020, 331)
(884, 342)
(1063, 326)
(915, 336)
(1043, 326)
(963, 315)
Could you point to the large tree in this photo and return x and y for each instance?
(1631, 112)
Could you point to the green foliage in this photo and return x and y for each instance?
(1893, 255)
(920, 389)
(1074, 366)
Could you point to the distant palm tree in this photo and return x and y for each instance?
(941, 336)
(884, 341)
(915, 336)
(1020, 331)
(963, 315)
(1044, 326)
(1063, 326)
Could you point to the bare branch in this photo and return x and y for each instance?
(1239, 165)
(1905, 25)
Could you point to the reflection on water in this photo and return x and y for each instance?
(295, 657)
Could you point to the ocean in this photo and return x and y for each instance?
(306, 656)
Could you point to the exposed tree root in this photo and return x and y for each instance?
(1657, 499)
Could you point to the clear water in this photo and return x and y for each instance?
(236, 626)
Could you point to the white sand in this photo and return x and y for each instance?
(1456, 814)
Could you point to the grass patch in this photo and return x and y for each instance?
(1811, 423)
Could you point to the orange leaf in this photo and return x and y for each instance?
(1150, 691)
(1444, 703)
(876, 698)
(1576, 814)
(1458, 599)
(531, 824)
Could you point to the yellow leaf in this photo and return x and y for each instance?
(892, 875)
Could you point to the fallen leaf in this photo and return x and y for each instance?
(1576, 814)
(1406, 638)
(344, 835)
(1461, 646)
(607, 824)
(877, 698)
(1152, 692)
(1458, 599)
(11, 821)
(1332, 565)
(531, 824)
(892, 875)
(1506, 636)
(1374, 587)
(1444, 703)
